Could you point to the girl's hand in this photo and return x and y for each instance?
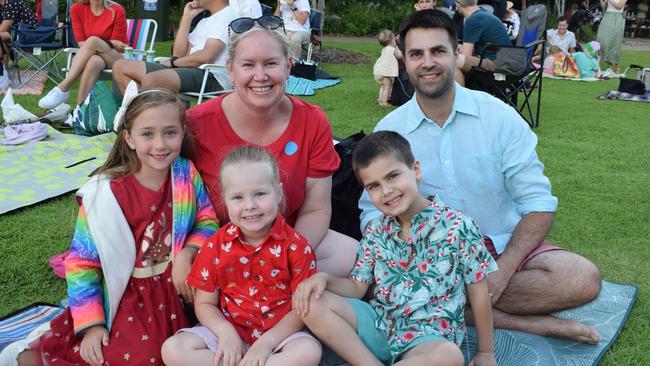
(91, 345)
(483, 359)
(256, 355)
(230, 349)
(315, 284)
(180, 270)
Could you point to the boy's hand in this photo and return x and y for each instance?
(483, 359)
(91, 345)
(256, 355)
(230, 349)
(315, 284)
(180, 270)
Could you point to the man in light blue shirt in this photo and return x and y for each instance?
(478, 155)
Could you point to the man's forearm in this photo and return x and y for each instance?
(181, 44)
(530, 231)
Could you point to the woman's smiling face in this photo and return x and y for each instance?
(259, 70)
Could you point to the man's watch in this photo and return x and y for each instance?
(172, 60)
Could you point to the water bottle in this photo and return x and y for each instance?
(128, 53)
(150, 56)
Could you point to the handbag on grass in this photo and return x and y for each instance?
(633, 86)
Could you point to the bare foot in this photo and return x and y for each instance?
(579, 332)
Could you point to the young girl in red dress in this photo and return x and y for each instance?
(245, 276)
(146, 207)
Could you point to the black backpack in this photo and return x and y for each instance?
(346, 190)
(402, 89)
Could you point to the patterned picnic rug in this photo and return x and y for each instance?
(35, 171)
(17, 325)
(617, 95)
(302, 86)
(34, 86)
(607, 314)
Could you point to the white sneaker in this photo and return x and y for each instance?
(58, 114)
(4, 77)
(608, 74)
(54, 98)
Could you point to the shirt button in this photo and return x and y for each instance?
(446, 162)
(258, 278)
(451, 190)
(256, 254)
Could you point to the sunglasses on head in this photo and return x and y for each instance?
(241, 25)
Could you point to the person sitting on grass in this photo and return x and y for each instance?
(206, 44)
(100, 30)
(244, 277)
(588, 60)
(478, 154)
(423, 258)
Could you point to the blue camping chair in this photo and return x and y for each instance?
(40, 46)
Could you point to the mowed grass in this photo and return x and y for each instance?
(595, 153)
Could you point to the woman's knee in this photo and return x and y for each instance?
(305, 350)
(95, 63)
(94, 43)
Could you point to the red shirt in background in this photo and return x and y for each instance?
(255, 283)
(305, 149)
(109, 25)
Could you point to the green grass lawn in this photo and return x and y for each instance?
(595, 153)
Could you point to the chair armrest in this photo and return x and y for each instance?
(210, 67)
(160, 59)
(72, 50)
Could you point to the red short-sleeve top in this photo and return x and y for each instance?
(305, 149)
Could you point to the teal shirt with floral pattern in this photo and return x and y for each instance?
(420, 283)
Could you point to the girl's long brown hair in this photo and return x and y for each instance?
(122, 160)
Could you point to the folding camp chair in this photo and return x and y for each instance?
(315, 40)
(40, 45)
(515, 74)
(140, 33)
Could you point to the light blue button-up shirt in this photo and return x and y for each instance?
(482, 161)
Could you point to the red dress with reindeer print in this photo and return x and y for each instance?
(255, 283)
(150, 311)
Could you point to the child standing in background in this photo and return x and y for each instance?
(423, 257)
(147, 206)
(386, 67)
(245, 276)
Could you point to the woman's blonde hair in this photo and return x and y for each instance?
(253, 154)
(385, 37)
(122, 160)
(278, 34)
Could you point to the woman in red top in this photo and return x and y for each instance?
(100, 30)
(297, 133)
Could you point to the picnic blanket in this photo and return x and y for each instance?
(607, 313)
(17, 325)
(617, 95)
(36, 171)
(302, 86)
(572, 79)
(34, 85)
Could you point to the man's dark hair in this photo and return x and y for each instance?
(428, 18)
(562, 19)
(381, 143)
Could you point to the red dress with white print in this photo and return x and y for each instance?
(255, 283)
(150, 311)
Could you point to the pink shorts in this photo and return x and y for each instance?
(544, 246)
(212, 341)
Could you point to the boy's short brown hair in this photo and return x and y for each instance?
(381, 143)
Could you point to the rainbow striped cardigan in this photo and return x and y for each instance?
(103, 239)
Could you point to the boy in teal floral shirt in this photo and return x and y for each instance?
(420, 256)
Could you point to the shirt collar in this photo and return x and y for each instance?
(463, 103)
(392, 226)
(277, 231)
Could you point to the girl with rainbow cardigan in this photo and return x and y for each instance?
(140, 224)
